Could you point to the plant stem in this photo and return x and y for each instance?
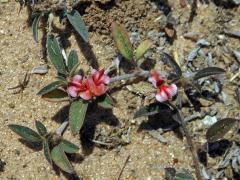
(61, 129)
(141, 73)
(191, 147)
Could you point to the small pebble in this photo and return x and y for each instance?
(39, 70)
(208, 120)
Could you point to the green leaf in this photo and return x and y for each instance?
(77, 113)
(151, 109)
(169, 59)
(25, 132)
(56, 95)
(75, 19)
(69, 147)
(50, 87)
(122, 41)
(46, 151)
(208, 72)
(72, 60)
(183, 176)
(219, 129)
(72, 72)
(61, 160)
(142, 48)
(105, 101)
(41, 128)
(35, 26)
(54, 53)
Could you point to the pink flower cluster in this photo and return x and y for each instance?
(166, 92)
(95, 85)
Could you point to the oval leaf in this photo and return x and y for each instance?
(69, 147)
(150, 109)
(46, 151)
(72, 60)
(25, 132)
(122, 41)
(208, 72)
(41, 128)
(56, 95)
(142, 48)
(169, 59)
(219, 129)
(35, 27)
(75, 19)
(54, 53)
(77, 114)
(105, 102)
(50, 87)
(61, 160)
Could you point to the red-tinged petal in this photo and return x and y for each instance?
(96, 75)
(72, 91)
(153, 81)
(162, 96)
(77, 78)
(156, 79)
(171, 90)
(100, 90)
(104, 79)
(86, 95)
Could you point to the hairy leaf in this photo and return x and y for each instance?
(122, 41)
(75, 19)
(69, 147)
(105, 101)
(142, 48)
(25, 132)
(50, 87)
(56, 95)
(35, 27)
(183, 176)
(72, 60)
(54, 53)
(219, 129)
(46, 151)
(61, 160)
(208, 72)
(151, 109)
(41, 128)
(77, 113)
(169, 59)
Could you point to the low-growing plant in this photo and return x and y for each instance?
(82, 89)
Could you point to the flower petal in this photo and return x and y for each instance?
(104, 79)
(72, 91)
(86, 95)
(156, 79)
(171, 90)
(162, 96)
(77, 78)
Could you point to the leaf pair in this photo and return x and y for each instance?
(54, 154)
(55, 55)
(124, 45)
(59, 157)
(74, 18)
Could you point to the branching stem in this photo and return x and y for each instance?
(141, 73)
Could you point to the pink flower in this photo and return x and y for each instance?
(155, 79)
(79, 87)
(98, 81)
(166, 92)
(86, 88)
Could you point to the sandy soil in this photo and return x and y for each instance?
(19, 54)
